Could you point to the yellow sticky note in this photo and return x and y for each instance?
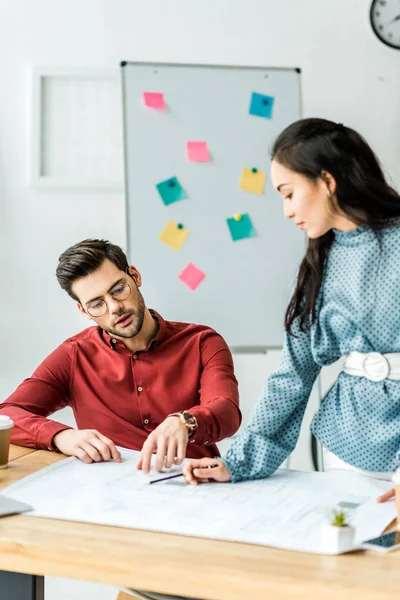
(173, 236)
(253, 180)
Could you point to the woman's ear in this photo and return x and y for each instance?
(330, 181)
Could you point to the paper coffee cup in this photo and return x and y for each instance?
(396, 481)
(6, 424)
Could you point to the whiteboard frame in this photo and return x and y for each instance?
(36, 177)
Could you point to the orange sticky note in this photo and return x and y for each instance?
(192, 276)
(197, 151)
(253, 181)
(174, 236)
(154, 100)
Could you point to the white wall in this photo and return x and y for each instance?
(347, 75)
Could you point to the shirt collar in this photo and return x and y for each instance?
(364, 233)
(162, 334)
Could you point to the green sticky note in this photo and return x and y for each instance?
(241, 229)
(171, 190)
(261, 105)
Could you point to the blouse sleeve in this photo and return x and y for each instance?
(272, 434)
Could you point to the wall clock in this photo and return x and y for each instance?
(385, 20)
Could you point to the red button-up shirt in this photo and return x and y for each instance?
(125, 396)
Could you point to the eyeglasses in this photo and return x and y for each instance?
(99, 307)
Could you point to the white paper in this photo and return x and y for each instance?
(285, 511)
(153, 475)
(8, 506)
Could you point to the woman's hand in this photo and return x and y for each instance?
(386, 496)
(201, 470)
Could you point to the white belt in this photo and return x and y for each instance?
(373, 365)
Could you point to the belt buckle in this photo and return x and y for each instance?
(379, 369)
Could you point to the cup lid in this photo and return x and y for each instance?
(6, 422)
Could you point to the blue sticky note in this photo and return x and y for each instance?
(261, 106)
(241, 228)
(171, 191)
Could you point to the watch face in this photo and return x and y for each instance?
(385, 21)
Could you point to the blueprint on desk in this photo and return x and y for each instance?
(285, 510)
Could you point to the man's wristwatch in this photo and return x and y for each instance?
(188, 420)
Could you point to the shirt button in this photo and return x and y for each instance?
(146, 421)
(135, 356)
(192, 441)
(140, 389)
(207, 442)
(113, 341)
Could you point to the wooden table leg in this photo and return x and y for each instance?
(138, 596)
(20, 586)
(121, 596)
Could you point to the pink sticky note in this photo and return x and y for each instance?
(154, 100)
(192, 276)
(197, 151)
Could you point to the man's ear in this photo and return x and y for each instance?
(83, 312)
(134, 273)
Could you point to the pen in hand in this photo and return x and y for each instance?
(165, 478)
(175, 475)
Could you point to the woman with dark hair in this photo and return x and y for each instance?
(345, 303)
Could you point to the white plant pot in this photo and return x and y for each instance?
(337, 539)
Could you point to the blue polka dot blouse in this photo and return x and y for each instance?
(359, 421)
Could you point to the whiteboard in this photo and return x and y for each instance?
(248, 282)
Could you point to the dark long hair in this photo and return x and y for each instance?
(308, 147)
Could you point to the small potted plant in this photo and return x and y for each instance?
(338, 534)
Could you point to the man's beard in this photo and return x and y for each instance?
(135, 327)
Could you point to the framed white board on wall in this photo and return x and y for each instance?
(77, 129)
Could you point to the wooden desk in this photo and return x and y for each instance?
(176, 564)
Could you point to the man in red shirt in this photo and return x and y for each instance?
(132, 380)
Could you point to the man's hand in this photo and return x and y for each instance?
(386, 496)
(86, 444)
(201, 470)
(169, 441)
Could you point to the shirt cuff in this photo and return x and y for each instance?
(202, 435)
(46, 433)
(235, 477)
